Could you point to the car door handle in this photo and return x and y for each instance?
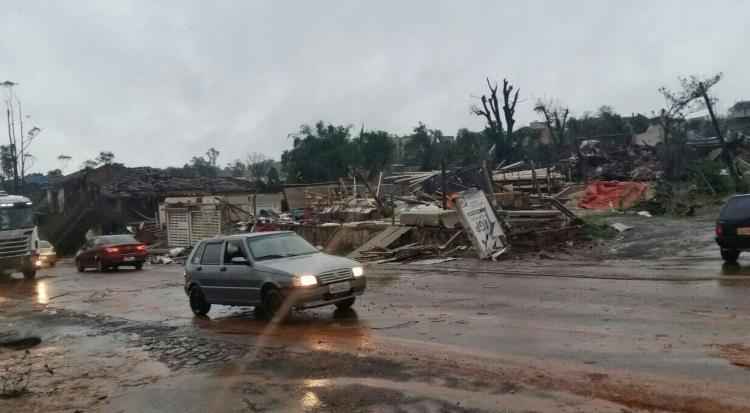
(199, 269)
(223, 269)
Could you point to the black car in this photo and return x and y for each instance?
(733, 227)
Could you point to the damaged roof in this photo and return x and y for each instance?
(119, 181)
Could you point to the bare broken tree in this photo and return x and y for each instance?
(490, 110)
(509, 109)
(556, 119)
(257, 166)
(694, 92)
(18, 142)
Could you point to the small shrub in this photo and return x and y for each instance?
(595, 228)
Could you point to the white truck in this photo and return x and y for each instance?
(19, 239)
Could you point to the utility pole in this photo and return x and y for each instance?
(443, 184)
(725, 155)
(23, 145)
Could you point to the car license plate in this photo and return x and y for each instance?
(743, 231)
(128, 259)
(340, 287)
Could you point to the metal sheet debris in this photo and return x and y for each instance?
(382, 240)
(620, 227)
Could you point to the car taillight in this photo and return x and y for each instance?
(141, 248)
(719, 230)
(111, 250)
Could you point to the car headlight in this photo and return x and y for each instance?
(358, 271)
(305, 280)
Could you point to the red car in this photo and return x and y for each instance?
(111, 251)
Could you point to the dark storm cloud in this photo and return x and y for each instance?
(160, 83)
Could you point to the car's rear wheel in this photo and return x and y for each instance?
(346, 304)
(80, 267)
(273, 305)
(729, 255)
(100, 266)
(198, 302)
(139, 266)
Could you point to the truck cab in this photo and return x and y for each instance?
(18, 235)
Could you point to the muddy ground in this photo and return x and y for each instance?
(656, 323)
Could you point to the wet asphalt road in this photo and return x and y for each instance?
(667, 323)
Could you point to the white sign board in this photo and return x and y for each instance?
(480, 223)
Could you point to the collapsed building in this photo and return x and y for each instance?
(145, 201)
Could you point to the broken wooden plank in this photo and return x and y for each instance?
(451, 240)
(565, 210)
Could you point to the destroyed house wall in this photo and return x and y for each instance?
(188, 225)
(320, 195)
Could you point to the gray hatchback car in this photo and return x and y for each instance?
(271, 271)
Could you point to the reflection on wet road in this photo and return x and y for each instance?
(667, 318)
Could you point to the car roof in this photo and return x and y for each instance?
(248, 235)
(113, 235)
(259, 234)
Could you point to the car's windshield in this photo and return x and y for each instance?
(278, 246)
(16, 217)
(737, 208)
(116, 239)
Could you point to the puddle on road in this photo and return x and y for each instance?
(735, 269)
(426, 397)
(314, 330)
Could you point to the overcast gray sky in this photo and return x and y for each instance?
(159, 83)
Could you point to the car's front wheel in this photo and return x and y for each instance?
(198, 302)
(273, 305)
(29, 274)
(729, 255)
(346, 304)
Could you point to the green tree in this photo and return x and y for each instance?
(468, 145)
(323, 152)
(236, 169)
(273, 180)
(212, 155)
(55, 173)
(105, 158)
(422, 147)
(375, 151)
(200, 166)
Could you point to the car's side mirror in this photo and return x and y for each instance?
(240, 260)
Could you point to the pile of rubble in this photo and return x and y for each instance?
(619, 163)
